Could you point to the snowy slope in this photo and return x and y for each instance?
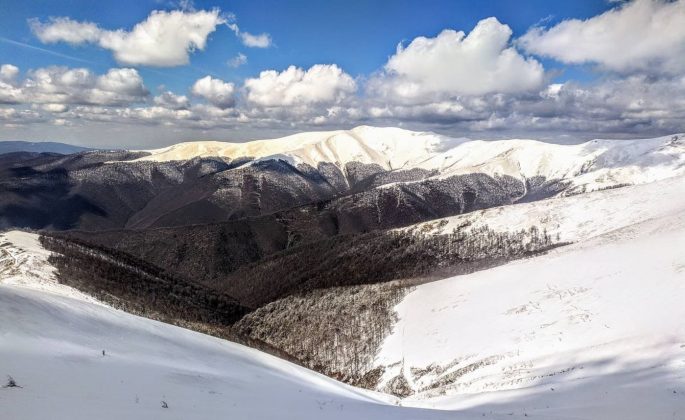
(24, 262)
(588, 166)
(391, 148)
(51, 343)
(52, 346)
(574, 218)
(591, 331)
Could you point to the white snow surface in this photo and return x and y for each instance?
(24, 262)
(51, 343)
(589, 331)
(573, 218)
(52, 346)
(588, 166)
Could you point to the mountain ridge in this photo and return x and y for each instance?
(596, 163)
(13, 146)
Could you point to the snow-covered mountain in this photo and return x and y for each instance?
(366, 178)
(24, 263)
(591, 330)
(573, 218)
(587, 166)
(75, 358)
(588, 331)
(39, 147)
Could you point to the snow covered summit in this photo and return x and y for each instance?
(587, 166)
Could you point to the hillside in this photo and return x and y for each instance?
(561, 270)
(7, 146)
(52, 346)
(574, 218)
(587, 329)
(592, 330)
(586, 166)
(59, 344)
(287, 323)
(349, 181)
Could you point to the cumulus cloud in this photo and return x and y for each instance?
(60, 85)
(8, 73)
(646, 35)
(63, 29)
(54, 108)
(619, 107)
(237, 61)
(454, 63)
(262, 40)
(164, 39)
(475, 84)
(215, 91)
(320, 84)
(124, 82)
(633, 104)
(170, 100)
(10, 94)
(256, 41)
(12, 118)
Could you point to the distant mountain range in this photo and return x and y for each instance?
(340, 182)
(39, 147)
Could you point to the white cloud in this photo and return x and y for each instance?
(256, 41)
(618, 107)
(61, 85)
(54, 108)
(454, 82)
(262, 40)
(8, 73)
(12, 118)
(171, 101)
(10, 94)
(237, 61)
(164, 39)
(644, 35)
(122, 81)
(454, 63)
(63, 29)
(321, 84)
(61, 122)
(215, 91)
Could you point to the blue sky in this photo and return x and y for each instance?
(358, 35)
(359, 38)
